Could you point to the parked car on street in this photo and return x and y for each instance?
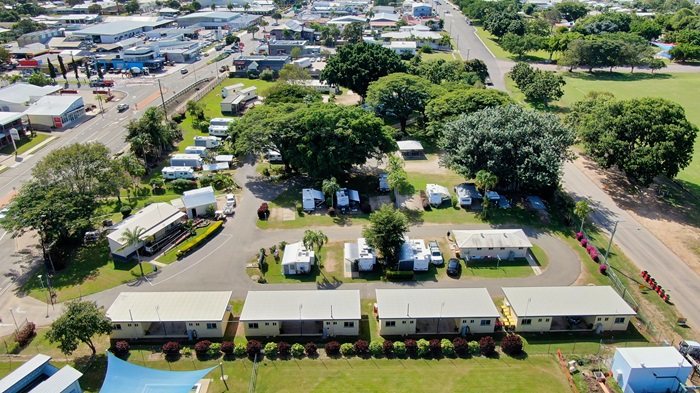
(122, 107)
(184, 71)
(453, 267)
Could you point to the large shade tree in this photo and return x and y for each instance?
(448, 106)
(524, 149)
(386, 232)
(400, 95)
(79, 323)
(356, 66)
(644, 137)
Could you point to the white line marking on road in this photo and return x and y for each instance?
(19, 311)
(3, 235)
(193, 264)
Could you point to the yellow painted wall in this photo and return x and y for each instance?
(402, 327)
(264, 329)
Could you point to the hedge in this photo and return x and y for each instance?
(199, 239)
(393, 275)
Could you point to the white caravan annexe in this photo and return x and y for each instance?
(361, 254)
(311, 199)
(413, 255)
(325, 313)
(411, 311)
(556, 309)
(493, 243)
(170, 314)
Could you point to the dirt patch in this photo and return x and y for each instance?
(430, 165)
(282, 214)
(330, 263)
(349, 98)
(671, 223)
(410, 202)
(377, 202)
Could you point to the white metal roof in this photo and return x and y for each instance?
(494, 238)
(22, 92)
(567, 301)
(152, 218)
(309, 193)
(224, 158)
(654, 357)
(169, 306)
(199, 197)
(310, 305)
(177, 169)
(437, 189)
(219, 166)
(23, 371)
(435, 303)
(59, 382)
(295, 253)
(52, 105)
(409, 145)
(9, 117)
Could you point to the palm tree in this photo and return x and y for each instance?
(329, 188)
(581, 210)
(485, 180)
(132, 237)
(314, 240)
(253, 29)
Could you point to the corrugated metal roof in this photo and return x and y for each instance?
(566, 301)
(301, 305)
(199, 197)
(172, 306)
(52, 105)
(435, 303)
(22, 92)
(23, 371)
(151, 218)
(494, 238)
(654, 357)
(409, 145)
(59, 382)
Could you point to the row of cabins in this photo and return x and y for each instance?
(399, 312)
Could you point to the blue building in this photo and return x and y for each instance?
(650, 369)
(421, 9)
(39, 376)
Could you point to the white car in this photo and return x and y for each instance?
(230, 200)
(435, 254)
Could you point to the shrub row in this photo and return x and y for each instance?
(199, 239)
(25, 334)
(511, 345)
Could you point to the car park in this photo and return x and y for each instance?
(453, 267)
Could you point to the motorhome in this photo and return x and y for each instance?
(347, 199)
(218, 126)
(199, 150)
(210, 142)
(177, 172)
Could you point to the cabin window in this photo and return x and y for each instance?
(389, 323)
(267, 323)
(349, 324)
(526, 322)
(619, 320)
(485, 322)
(253, 325)
(117, 326)
(471, 321)
(213, 325)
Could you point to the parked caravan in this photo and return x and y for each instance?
(348, 199)
(467, 194)
(437, 194)
(231, 90)
(177, 172)
(304, 62)
(218, 126)
(190, 160)
(311, 199)
(210, 142)
(413, 255)
(199, 150)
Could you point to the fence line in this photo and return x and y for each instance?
(253, 375)
(562, 362)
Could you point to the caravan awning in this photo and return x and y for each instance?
(310, 193)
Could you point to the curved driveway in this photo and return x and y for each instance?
(220, 265)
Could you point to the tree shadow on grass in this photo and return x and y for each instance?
(616, 76)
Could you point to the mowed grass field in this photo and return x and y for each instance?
(540, 373)
(677, 87)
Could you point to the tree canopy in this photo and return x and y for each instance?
(449, 105)
(644, 137)
(400, 95)
(386, 232)
(524, 149)
(80, 322)
(150, 135)
(282, 92)
(356, 66)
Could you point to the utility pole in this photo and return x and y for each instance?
(160, 88)
(612, 235)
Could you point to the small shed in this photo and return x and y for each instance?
(361, 254)
(190, 160)
(297, 259)
(411, 149)
(197, 201)
(311, 199)
(413, 255)
(650, 369)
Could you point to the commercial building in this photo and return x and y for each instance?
(327, 313)
(566, 309)
(18, 96)
(403, 312)
(218, 19)
(51, 112)
(112, 32)
(179, 315)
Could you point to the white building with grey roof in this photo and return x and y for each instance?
(410, 311)
(55, 112)
(174, 315)
(492, 243)
(323, 313)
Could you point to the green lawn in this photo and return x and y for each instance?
(89, 270)
(497, 51)
(24, 144)
(674, 87)
(441, 55)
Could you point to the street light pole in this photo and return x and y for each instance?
(612, 235)
(47, 295)
(13, 318)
